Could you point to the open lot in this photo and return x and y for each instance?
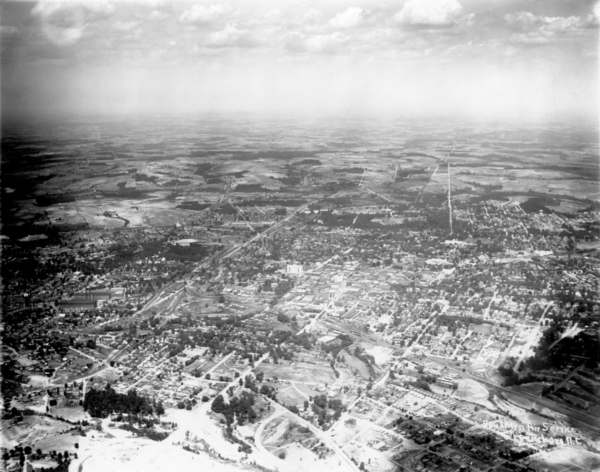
(31, 430)
(357, 365)
(74, 413)
(474, 392)
(291, 396)
(299, 371)
(560, 459)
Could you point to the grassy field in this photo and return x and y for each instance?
(473, 392)
(356, 364)
(31, 430)
(291, 396)
(307, 389)
(74, 413)
(299, 372)
(62, 442)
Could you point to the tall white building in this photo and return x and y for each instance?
(294, 269)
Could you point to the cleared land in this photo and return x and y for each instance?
(319, 374)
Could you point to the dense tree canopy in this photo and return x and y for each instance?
(101, 403)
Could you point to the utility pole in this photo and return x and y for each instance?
(449, 198)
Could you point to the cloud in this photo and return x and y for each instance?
(531, 39)
(100, 8)
(312, 16)
(157, 15)
(203, 15)
(430, 13)
(353, 16)
(62, 24)
(125, 25)
(319, 43)
(531, 29)
(526, 20)
(231, 36)
(9, 31)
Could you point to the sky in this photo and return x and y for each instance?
(484, 59)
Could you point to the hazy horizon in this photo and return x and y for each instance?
(488, 60)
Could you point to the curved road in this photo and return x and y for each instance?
(325, 438)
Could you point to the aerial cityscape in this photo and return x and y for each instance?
(286, 275)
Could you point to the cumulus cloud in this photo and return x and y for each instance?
(202, 15)
(157, 15)
(531, 29)
(353, 16)
(319, 43)
(231, 36)
(62, 23)
(101, 8)
(531, 39)
(526, 20)
(125, 25)
(312, 16)
(430, 13)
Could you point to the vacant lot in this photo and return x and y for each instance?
(69, 413)
(381, 354)
(356, 365)
(291, 396)
(474, 392)
(62, 442)
(31, 430)
(575, 459)
(300, 371)
(282, 431)
(307, 389)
